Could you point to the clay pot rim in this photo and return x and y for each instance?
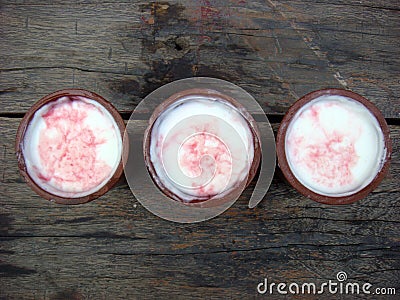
(215, 200)
(20, 138)
(281, 152)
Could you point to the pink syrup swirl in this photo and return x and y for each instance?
(68, 148)
(329, 154)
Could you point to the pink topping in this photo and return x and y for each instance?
(68, 147)
(205, 156)
(329, 155)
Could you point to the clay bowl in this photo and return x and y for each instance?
(215, 200)
(21, 156)
(295, 182)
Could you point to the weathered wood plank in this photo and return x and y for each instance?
(210, 275)
(360, 39)
(123, 51)
(114, 248)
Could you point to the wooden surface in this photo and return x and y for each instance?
(113, 248)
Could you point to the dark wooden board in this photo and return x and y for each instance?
(278, 51)
(113, 248)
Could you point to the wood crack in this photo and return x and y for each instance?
(345, 3)
(238, 250)
(68, 68)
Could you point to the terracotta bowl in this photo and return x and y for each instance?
(20, 151)
(282, 156)
(214, 200)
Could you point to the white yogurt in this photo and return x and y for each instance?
(72, 147)
(334, 146)
(201, 147)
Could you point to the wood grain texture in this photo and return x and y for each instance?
(276, 50)
(112, 248)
